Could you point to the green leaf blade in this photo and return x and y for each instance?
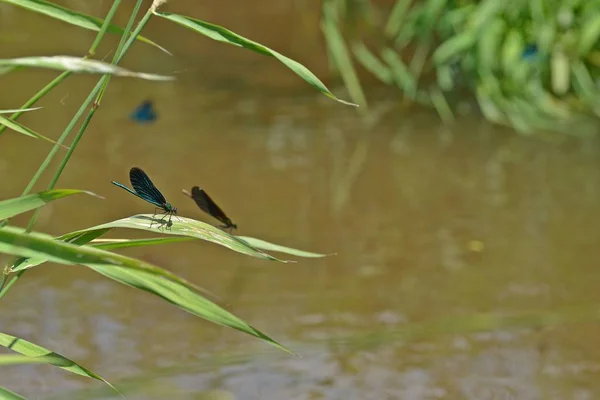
(128, 271)
(6, 394)
(73, 17)
(182, 226)
(76, 64)
(11, 207)
(224, 35)
(264, 245)
(17, 127)
(29, 349)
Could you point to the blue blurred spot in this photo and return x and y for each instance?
(144, 113)
(531, 50)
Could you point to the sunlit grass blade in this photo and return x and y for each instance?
(371, 63)
(264, 245)
(183, 298)
(17, 127)
(16, 241)
(126, 270)
(113, 244)
(16, 359)
(73, 17)
(224, 35)
(18, 205)
(19, 110)
(396, 17)
(29, 349)
(340, 54)
(6, 394)
(182, 226)
(402, 76)
(441, 104)
(74, 238)
(76, 64)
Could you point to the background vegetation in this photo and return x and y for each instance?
(529, 64)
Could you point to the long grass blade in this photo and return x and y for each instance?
(30, 350)
(224, 35)
(75, 64)
(73, 17)
(128, 271)
(22, 129)
(18, 205)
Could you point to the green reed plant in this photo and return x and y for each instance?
(85, 247)
(529, 64)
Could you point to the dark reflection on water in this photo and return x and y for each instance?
(428, 222)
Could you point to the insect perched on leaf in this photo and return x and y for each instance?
(144, 113)
(145, 190)
(207, 205)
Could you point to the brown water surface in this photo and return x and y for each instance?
(428, 222)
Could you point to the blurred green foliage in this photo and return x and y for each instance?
(529, 64)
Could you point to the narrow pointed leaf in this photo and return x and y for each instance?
(264, 245)
(20, 110)
(182, 226)
(74, 238)
(16, 359)
(224, 35)
(76, 64)
(113, 244)
(184, 298)
(29, 349)
(17, 127)
(6, 394)
(126, 270)
(73, 17)
(18, 205)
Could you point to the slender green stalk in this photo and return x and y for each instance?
(5, 288)
(96, 92)
(61, 140)
(78, 115)
(38, 96)
(56, 81)
(54, 150)
(124, 40)
(104, 28)
(70, 126)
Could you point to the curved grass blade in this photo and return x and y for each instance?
(224, 35)
(182, 226)
(17, 127)
(16, 359)
(371, 63)
(340, 55)
(264, 245)
(18, 205)
(29, 349)
(6, 394)
(128, 271)
(76, 64)
(76, 238)
(16, 241)
(114, 244)
(73, 17)
(185, 299)
(19, 110)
